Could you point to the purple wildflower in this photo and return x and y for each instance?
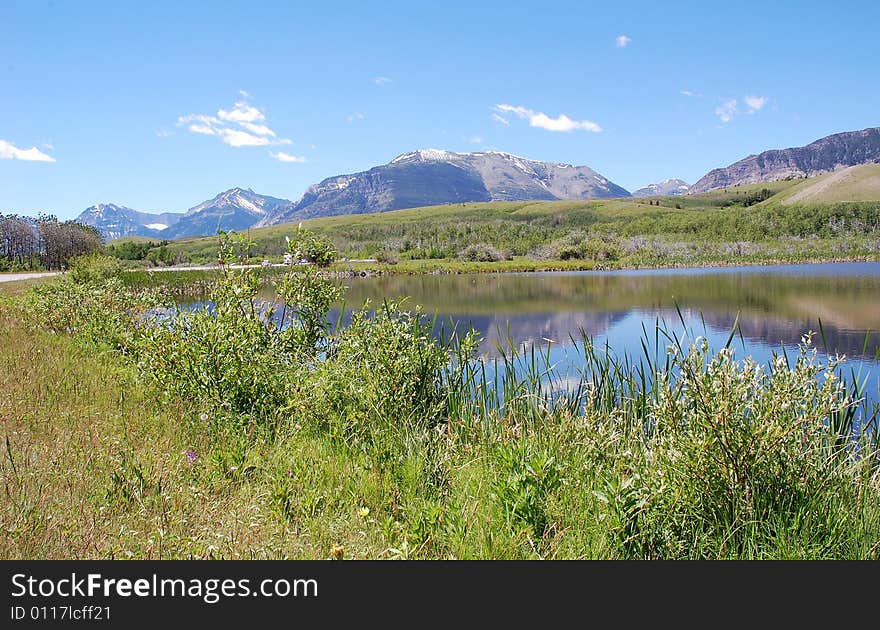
(191, 457)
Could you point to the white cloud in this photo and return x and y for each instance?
(244, 94)
(381, 80)
(689, 93)
(353, 117)
(500, 119)
(242, 112)
(260, 130)
(622, 40)
(727, 110)
(238, 138)
(242, 126)
(755, 103)
(519, 110)
(476, 140)
(9, 151)
(541, 120)
(164, 133)
(562, 123)
(206, 130)
(281, 156)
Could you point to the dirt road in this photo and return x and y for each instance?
(14, 277)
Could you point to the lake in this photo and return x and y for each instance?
(774, 307)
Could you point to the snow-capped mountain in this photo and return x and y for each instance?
(419, 178)
(432, 177)
(666, 187)
(115, 221)
(234, 209)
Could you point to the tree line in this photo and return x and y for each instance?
(43, 242)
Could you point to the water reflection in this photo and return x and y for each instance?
(775, 305)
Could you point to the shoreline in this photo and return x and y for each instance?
(440, 267)
(446, 267)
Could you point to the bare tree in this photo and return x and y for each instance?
(26, 243)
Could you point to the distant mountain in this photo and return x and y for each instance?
(822, 156)
(433, 177)
(115, 221)
(664, 188)
(234, 209)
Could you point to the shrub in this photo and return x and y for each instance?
(242, 353)
(94, 267)
(523, 485)
(308, 246)
(382, 378)
(482, 252)
(388, 257)
(99, 311)
(735, 457)
(581, 246)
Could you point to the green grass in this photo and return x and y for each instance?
(132, 239)
(224, 437)
(853, 184)
(745, 224)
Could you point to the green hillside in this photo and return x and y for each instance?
(856, 183)
(761, 221)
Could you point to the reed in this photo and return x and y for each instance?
(226, 433)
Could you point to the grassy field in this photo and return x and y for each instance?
(788, 221)
(856, 183)
(224, 436)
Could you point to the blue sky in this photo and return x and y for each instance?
(161, 105)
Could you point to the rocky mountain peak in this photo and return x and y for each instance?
(822, 156)
(664, 188)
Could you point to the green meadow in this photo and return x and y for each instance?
(226, 434)
(787, 221)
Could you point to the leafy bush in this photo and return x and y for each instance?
(482, 252)
(732, 454)
(93, 305)
(308, 246)
(382, 378)
(388, 257)
(524, 484)
(242, 353)
(581, 246)
(94, 267)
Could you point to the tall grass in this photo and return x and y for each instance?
(234, 436)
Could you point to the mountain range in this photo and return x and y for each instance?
(429, 177)
(117, 221)
(822, 156)
(235, 209)
(666, 187)
(420, 178)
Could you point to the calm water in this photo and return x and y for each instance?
(775, 306)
